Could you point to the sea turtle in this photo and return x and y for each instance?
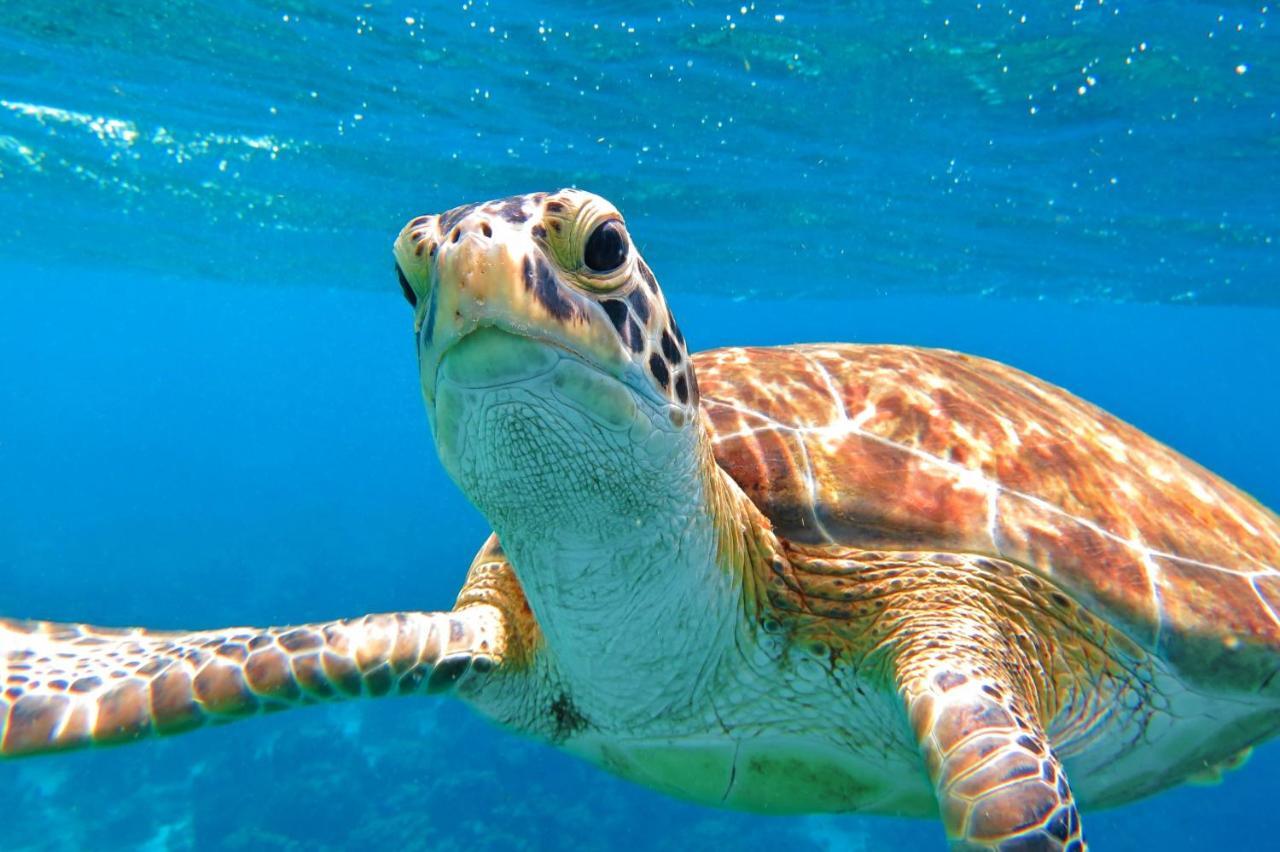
(821, 577)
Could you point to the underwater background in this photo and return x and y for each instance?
(209, 408)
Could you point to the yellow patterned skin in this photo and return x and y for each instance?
(826, 577)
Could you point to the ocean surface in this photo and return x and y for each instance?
(209, 409)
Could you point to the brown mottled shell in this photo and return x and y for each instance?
(894, 447)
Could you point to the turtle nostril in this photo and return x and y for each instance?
(456, 235)
(485, 229)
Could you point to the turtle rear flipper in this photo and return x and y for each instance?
(70, 685)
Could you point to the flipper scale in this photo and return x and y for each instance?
(73, 685)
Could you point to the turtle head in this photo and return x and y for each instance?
(557, 384)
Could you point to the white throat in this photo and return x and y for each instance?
(635, 623)
(601, 504)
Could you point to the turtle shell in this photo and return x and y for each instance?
(895, 447)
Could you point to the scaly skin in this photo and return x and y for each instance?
(755, 577)
(68, 686)
(75, 685)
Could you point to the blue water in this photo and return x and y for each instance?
(209, 411)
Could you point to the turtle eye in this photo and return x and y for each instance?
(409, 296)
(606, 248)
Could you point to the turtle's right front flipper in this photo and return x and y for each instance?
(66, 686)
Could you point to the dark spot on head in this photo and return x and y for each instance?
(541, 281)
(633, 337)
(512, 210)
(647, 274)
(670, 349)
(485, 229)
(682, 389)
(675, 329)
(456, 235)
(947, 681)
(419, 221)
(555, 226)
(659, 369)
(1032, 583)
(640, 304)
(539, 232)
(1060, 599)
(409, 296)
(693, 382)
(554, 206)
(450, 219)
(617, 311)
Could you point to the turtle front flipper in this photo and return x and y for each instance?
(999, 783)
(984, 660)
(975, 696)
(69, 685)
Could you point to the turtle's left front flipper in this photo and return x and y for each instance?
(68, 685)
(999, 783)
(973, 678)
(967, 643)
